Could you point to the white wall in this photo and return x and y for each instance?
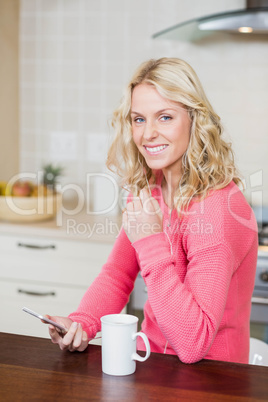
(76, 56)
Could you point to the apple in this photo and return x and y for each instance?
(22, 189)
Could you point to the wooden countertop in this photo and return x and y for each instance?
(34, 369)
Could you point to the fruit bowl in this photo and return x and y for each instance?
(29, 209)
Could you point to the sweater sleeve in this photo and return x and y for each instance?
(188, 313)
(109, 292)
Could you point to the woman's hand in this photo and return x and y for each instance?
(74, 339)
(142, 217)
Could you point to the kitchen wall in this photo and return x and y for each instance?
(9, 84)
(76, 56)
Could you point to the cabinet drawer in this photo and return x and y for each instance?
(42, 299)
(53, 300)
(56, 261)
(27, 246)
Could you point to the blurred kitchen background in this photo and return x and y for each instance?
(63, 67)
(64, 64)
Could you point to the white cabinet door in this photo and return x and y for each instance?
(49, 276)
(44, 299)
(58, 261)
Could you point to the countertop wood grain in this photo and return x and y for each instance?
(34, 369)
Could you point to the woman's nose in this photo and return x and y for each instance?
(150, 131)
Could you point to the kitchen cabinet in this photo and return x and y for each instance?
(48, 275)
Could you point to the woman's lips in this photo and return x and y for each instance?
(156, 149)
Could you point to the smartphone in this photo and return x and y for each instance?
(60, 327)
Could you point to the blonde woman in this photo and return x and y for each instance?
(187, 227)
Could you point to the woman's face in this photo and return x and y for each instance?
(160, 129)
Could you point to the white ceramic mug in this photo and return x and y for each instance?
(119, 333)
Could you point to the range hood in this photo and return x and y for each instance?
(251, 20)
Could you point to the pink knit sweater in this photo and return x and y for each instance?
(200, 276)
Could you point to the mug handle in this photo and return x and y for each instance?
(136, 356)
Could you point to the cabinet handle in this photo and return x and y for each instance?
(37, 247)
(259, 300)
(32, 293)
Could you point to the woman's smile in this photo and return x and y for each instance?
(155, 149)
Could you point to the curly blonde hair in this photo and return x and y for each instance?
(208, 162)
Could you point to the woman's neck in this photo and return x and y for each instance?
(168, 193)
(169, 186)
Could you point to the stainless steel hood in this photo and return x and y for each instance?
(251, 20)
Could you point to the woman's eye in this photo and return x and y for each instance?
(139, 120)
(165, 118)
